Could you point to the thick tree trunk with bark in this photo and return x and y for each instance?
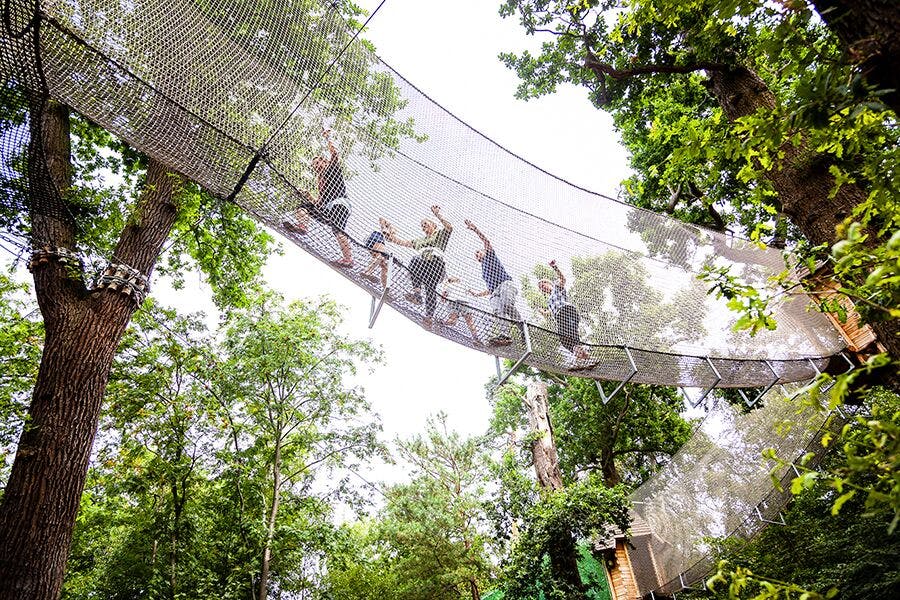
(83, 330)
(869, 31)
(563, 556)
(801, 178)
(543, 449)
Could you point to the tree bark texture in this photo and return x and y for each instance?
(543, 449)
(869, 31)
(563, 555)
(83, 330)
(801, 178)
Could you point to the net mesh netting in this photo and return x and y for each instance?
(236, 95)
(718, 486)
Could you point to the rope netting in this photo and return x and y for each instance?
(718, 486)
(237, 95)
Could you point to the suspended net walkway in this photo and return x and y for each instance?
(717, 486)
(236, 96)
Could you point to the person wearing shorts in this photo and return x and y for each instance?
(375, 245)
(564, 313)
(427, 268)
(452, 293)
(332, 206)
(500, 286)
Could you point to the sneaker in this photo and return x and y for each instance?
(413, 298)
(500, 340)
(584, 365)
(371, 277)
(343, 263)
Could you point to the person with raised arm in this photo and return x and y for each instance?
(426, 269)
(332, 207)
(565, 314)
(500, 286)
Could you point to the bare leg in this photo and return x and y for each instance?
(451, 319)
(471, 323)
(384, 267)
(344, 243)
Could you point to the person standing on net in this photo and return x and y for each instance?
(566, 316)
(332, 206)
(500, 286)
(452, 293)
(427, 268)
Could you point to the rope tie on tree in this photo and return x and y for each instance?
(53, 254)
(125, 280)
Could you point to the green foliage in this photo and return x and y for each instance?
(210, 450)
(743, 299)
(870, 447)
(741, 582)
(536, 565)
(21, 336)
(427, 541)
(623, 440)
(834, 542)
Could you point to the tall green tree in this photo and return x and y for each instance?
(434, 522)
(210, 476)
(20, 336)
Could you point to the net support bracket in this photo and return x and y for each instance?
(684, 584)
(751, 403)
(378, 301)
(622, 383)
(807, 384)
(825, 388)
(850, 367)
(716, 374)
(502, 377)
(780, 520)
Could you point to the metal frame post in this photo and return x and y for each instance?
(622, 383)
(718, 376)
(780, 520)
(501, 378)
(752, 403)
(378, 302)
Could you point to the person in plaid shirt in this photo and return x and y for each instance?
(564, 313)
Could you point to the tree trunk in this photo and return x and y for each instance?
(563, 556)
(801, 178)
(869, 31)
(273, 517)
(610, 472)
(543, 449)
(83, 329)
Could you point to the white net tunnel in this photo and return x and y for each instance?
(236, 95)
